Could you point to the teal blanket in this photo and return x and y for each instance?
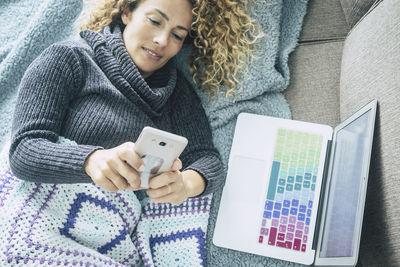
(29, 26)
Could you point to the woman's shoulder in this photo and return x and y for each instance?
(74, 45)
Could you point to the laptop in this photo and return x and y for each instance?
(295, 190)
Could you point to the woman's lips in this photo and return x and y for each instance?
(151, 53)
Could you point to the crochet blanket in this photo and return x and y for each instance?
(82, 224)
(28, 27)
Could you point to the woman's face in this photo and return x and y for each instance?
(155, 32)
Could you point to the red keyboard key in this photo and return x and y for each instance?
(272, 236)
(288, 244)
(260, 239)
(296, 244)
(281, 237)
(280, 244)
(303, 247)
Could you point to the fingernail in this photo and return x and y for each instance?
(141, 168)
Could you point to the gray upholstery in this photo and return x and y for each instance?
(371, 69)
(335, 70)
(354, 10)
(324, 21)
(313, 93)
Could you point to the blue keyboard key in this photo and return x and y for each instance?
(295, 202)
(285, 211)
(314, 179)
(289, 187)
(302, 208)
(306, 184)
(280, 189)
(313, 187)
(309, 213)
(299, 178)
(301, 217)
(286, 203)
(293, 211)
(310, 204)
(279, 197)
(307, 176)
(308, 221)
(269, 205)
(267, 214)
(297, 187)
(290, 179)
(282, 181)
(276, 214)
(278, 206)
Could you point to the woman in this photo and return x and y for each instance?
(101, 90)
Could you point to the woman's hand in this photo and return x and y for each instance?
(116, 168)
(175, 186)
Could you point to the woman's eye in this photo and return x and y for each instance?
(155, 22)
(177, 37)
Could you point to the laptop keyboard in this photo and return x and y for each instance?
(290, 195)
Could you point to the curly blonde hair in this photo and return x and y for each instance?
(224, 36)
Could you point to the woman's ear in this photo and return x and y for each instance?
(125, 16)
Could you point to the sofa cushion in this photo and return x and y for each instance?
(370, 69)
(354, 10)
(324, 20)
(313, 93)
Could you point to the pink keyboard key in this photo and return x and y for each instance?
(281, 237)
(280, 244)
(305, 239)
(299, 234)
(260, 239)
(275, 222)
(288, 244)
(303, 247)
(266, 231)
(291, 228)
(272, 236)
(284, 220)
(262, 231)
(292, 219)
(289, 236)
(300, 225)
(296, 244)
(282, 228)
(264, 221)
(306, 230)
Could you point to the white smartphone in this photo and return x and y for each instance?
(158, 150)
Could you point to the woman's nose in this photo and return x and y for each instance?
(161, 38)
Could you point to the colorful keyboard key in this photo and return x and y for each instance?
(272, 236)
(296, 244)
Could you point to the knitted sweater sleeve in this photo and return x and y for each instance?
(44, 93)
(190, 120)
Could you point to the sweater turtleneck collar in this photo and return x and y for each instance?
(114, 60)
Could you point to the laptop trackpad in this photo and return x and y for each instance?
(240, 202)
(244, 176)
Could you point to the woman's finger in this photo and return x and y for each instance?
(126, 152)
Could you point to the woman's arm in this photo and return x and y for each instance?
(43, 100)
(189, 120)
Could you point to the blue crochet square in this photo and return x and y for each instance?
(182, 244)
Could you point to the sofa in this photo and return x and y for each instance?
(349, 54)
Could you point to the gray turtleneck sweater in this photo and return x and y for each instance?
(90, 91)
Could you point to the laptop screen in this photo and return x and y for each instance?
(340, 231)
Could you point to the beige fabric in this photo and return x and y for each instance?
(314, 82)
(324, 20)
(371, 69)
